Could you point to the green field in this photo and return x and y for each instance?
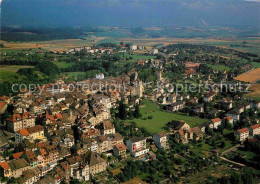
(161, 118)
(219, 67)
(8, 71)
(74, 74)
(63, 64)
(256, 65)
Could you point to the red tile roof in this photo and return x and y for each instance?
(3, 98)
(23, 132)
(4, 165)
(2, 104)
(243, 130)
(121, 147)
(18, 117)
(17, 155)
(228, 118)
(255, 126)
(215, 120)
(35, 129)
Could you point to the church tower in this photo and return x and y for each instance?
(139, 89)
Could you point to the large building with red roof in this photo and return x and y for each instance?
(254, 130)
(242, 134)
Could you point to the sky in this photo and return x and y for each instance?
(130, 13)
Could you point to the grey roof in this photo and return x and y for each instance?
(18, 164)
(137, 139)
(93, 158)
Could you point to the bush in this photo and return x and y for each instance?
(150, 117)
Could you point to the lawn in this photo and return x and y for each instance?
(161, 118)
(219, 67)
(63, 64)
(248, 154)
(8, 71)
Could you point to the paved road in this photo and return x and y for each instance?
(230, 161)
(231, 149)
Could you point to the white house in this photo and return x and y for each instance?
(242, 133)
(234, 114)
(215, 123)
(100, 76)
(137, 146)
(160, 140)
(254, 130)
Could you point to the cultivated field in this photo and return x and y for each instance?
(135, 181)
(54, 45)
(161, 118)
(253, 44)
(251, 76)
(256, 91)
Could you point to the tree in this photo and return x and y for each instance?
(122, 113)
(137, 113)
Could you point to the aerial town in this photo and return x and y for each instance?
(104, 128)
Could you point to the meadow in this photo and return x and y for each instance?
(7, 72)
(62, 64)
(161, 118)
(219, 67)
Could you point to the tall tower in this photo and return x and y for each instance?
(136, 76)
(139, 89)
(159, 75)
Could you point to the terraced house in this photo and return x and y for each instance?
(32, 133)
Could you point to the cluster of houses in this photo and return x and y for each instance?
(89, 49)
(51, 151)
(42, 124)
(246, 133)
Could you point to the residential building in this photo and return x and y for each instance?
(81, 172)
(160, 139)
(36, 132)
(120, 150)
(175, 106)
(242, 134)
(100, 76)
(178, 125)
(209, 96)
(215, 123)
(96, 163)
(5, 170)
(108, 128)
(154, 51)
(18, 167)
(229, 119)
(3, 107)
(234, 114)
(30, 158)
(137, 146)
(19, 121)
(254, 130)
(133, 47)
(32, 133)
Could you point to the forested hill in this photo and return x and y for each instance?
(43, 34)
